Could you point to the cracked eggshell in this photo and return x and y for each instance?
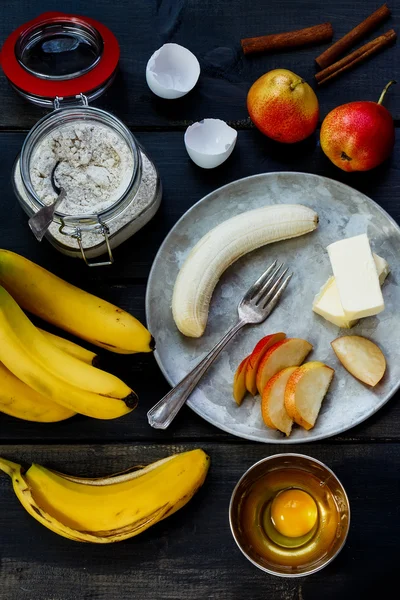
(210, 142)
(172, 71)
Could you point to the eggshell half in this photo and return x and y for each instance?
(172, 71)
(210, 142)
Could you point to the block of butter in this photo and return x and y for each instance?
(356, 277)
(327, 301)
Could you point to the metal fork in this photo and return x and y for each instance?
(255, 306)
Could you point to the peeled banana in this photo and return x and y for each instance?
(23, 361)
(221, 247)
(71, 348)
(19, 400)
(66, 306)
(113, 508)
(61, 364)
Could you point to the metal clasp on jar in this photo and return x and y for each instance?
(82, 100)
(86, 223)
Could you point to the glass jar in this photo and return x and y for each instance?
(62, 60)
(91, 235)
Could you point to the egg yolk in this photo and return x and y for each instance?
(293, 513)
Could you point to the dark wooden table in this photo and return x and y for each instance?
(192, 554)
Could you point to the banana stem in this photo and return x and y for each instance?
(385, 89)
(8, 467)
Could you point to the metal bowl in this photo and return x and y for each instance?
(326, 477)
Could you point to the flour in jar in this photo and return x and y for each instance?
(95, 169)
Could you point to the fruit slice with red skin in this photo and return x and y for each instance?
(290, 352)
(305, 391)
(358, 136)
(273, 408)
(361, 357)
(239, 381)
(256, 357)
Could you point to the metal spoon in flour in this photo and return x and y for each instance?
(41, 221)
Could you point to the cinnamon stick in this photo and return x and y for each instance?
(355, 58)
(350, 39)
(291, 39)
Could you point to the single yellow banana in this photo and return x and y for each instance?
(19, 400)
(66, 306)
(61, 364)
(71, 348)
(113, 508)
(25, 366)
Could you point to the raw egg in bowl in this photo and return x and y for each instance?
(289, 515)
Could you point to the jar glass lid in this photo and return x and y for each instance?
(60, 50)
(59, 55)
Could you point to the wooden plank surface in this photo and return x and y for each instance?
(142, 374)
(212, 30)
(124, 282)
(192, 554)
(184, 184)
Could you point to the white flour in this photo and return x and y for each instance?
(127, 223)
(95, 167)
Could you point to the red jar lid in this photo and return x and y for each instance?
(60, 55)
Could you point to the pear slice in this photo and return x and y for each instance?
(239, 382)
(256, 357)
(289, 352)
(305, 390)
(273, 402)
(361, 357)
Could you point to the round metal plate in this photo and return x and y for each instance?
(343, 212)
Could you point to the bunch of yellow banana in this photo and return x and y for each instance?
(44, 377)
(42, 374)
(108, 509)
(66, 306)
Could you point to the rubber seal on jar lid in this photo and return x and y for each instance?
(60, 55)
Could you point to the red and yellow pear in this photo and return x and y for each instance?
(358, 136)
(283, 106)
